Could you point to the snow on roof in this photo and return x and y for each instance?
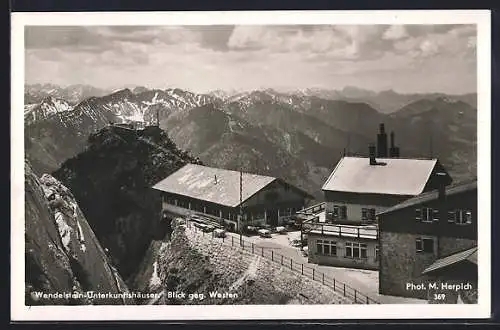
(393, 176)
(467, 255)
(214, 185)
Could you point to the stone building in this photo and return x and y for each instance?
(358, 189)
(422, 235)
(215, 193)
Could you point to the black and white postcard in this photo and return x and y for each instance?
(250, 165)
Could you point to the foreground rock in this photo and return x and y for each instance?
(63, 256)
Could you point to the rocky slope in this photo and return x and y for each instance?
(225, 140)
(193, 263)
(112, 182)
(47, 107)
(444, 128)
(62, 253)
(53, 136)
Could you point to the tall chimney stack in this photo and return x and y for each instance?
(441, 178)
(393, 151)
(371, 153)
(382, 142)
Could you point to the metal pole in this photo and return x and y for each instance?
(241, 207)
(301, 234)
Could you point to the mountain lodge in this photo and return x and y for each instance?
(219, 194)
(345, 234)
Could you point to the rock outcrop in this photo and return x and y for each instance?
(112, 182)
(63, 256)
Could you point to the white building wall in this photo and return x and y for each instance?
(354, 211)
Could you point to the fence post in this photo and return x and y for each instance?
(344, 289)
(355, 296)
(367, 300)
(272, 254)
(334, 284)
(281, 259)
(291, 263)
(302, 268)
(313, 274)
(252, 248)
(323, 279)
(232, 240)
(243, 244)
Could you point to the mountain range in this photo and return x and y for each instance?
(299, 136)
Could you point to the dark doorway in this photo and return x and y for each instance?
(272, 217)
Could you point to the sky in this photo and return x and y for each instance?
(405, 58)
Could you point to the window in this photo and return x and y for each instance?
(183, 203)
(326, 247)
(426, 214)
(460, 217)
(340, 212)
(377, 253)
(367, 214)
(424, 244)
(355, 250)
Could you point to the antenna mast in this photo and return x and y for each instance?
(241, 208)
(348, 144)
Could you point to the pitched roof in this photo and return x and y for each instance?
(197, 181)
(467, 255)
(433, 195)
(395, 176)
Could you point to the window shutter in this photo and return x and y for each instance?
(418, 214)
(451, 216)
(372, 214)
(418, 244)
(458, 216)
(344, 212)
(435, 215)
(468, 217)
(363, 214)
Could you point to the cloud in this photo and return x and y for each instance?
(202, 58)
(68, 37)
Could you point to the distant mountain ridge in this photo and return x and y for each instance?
(297, 136)
(72, 94)
(386, 101)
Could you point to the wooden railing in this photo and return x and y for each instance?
(369, 232)
(311, 210)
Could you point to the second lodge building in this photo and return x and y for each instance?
(215, 192)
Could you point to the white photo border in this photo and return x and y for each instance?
(20, 312)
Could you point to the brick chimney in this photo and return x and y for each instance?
(441, 181)
(382, 142)
(371, 153)
(393, 151)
